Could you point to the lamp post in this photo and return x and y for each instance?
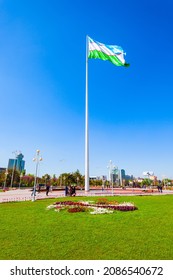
(111, 167)
(12, 175)
(6, 174)
(21, 175)
(37, 159)
(120, 178)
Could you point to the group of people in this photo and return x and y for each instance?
(70, 191)
(38, 189)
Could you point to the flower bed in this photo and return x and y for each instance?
(100, 207)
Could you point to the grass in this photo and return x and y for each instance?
(28, 231)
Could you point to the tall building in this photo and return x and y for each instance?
(18, 163)
(123, 174)
(115, 175)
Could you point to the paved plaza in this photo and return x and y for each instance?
(25, 194)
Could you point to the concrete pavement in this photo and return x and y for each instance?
(25, 194)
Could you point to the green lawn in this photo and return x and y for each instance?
(29, 231)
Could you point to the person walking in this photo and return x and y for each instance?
(159, 187)
(39, 188)
(47, 189)
(74, 191)
(66, 190)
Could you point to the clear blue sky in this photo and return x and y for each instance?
(42, 85)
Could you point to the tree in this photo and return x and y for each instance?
(28, 180)
(45, 179)
(2, 178)
(71, 179)
(54, 180)
(12, 177)
(147, 182)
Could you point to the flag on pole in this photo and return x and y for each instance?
(114, 54)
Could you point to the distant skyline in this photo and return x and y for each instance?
(107, 173)
(42, 85)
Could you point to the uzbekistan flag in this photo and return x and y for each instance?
(114, 54)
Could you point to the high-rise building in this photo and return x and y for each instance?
(18, 163)
(115, 175)
(123, 174)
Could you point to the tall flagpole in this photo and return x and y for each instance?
(86, 126)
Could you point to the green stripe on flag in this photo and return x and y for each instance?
(112, 58)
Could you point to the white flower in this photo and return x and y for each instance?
(50, 206)
(99, 210)
(86, 202)
(126, 204)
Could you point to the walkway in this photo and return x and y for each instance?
(23, 195)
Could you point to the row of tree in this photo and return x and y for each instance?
(13, 178)
(149, 182)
